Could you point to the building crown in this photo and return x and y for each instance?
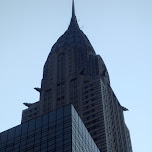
(73, 36)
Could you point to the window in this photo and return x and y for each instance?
(38, 122)
(31, 125)
(24, 127)
(45, 119)
(60, 113)
(52, 116)
(11, 133)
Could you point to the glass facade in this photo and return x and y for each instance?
(60, 130)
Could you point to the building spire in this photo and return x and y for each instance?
(73, 22)
(73, 9)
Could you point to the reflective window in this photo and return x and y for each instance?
(24, 127)
(3, 136)
(11, 133)
(38, 122)
(52, 116)
(67, 110)
(45, 119)
(60, 113)
(18, 131)
(31, 125)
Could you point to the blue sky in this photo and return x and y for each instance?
(120, 31)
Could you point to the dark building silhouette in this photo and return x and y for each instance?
(74, 74)
(60, 130)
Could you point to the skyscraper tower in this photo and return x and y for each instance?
(74, 74)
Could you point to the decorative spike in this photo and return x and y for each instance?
(124, 108)
(38, 89)
(28, 104)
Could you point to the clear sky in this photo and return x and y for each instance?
(119, 30)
